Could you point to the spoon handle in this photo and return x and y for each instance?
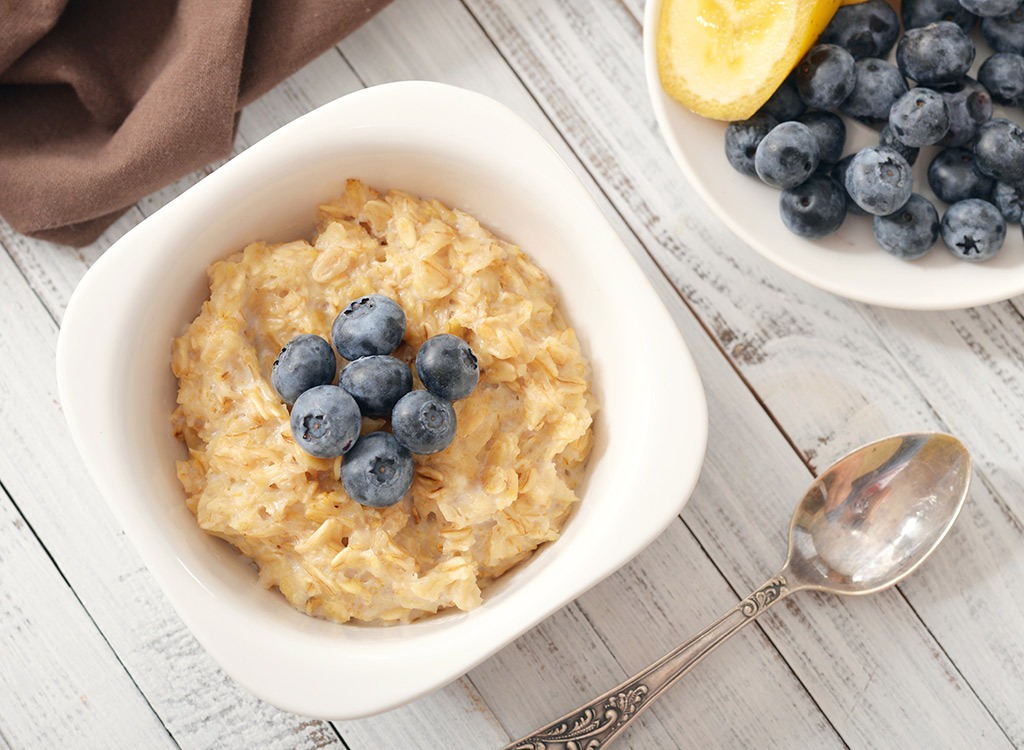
(596, 724)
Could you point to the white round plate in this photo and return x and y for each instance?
(848, 263)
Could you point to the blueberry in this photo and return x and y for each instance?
(378, 471)
(969, 105)
(865, 29)
(999, 150)
(369, 325)
(825, 76)
(917, 13)
(1006, 33)
(973, 229)
(879, 180)
(447, 366)
(785, 104)
(888, 139)
(919, 118)
(814, 208)
(423, 422)
(787, 155)
(1009, 199)
(910, 231)
(325, 421)
(939, 53)
(1003, 75)
(839, 175)
(376, 383)
(878, 85)
(990, 8)
(741, 139)
(305, 362)
(830, 132)
(954, 176)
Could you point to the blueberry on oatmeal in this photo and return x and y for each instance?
(423, 422)
(325, 421)
(447, 366)
(373, 324)
(376, 383)
(378, 471)
(305, 362)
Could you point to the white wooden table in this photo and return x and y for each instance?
(93, 656)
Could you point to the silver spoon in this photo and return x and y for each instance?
(866, 523)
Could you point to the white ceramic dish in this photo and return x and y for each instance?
(118, 392)
(848, 263)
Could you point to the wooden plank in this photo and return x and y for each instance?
(455, 717)
(60, 684)
(542, 675)
(53, 270)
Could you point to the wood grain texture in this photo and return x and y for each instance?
(454, 717)
(59, 680)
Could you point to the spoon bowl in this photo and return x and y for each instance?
(874, 516)
(866, 523)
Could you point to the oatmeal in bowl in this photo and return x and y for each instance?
(504, 486)
(475, 155)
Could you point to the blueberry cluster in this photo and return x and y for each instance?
(795, 142)
(326, 419)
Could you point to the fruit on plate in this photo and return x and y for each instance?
(973, 229)
(724, 58)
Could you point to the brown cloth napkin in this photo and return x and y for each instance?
(105, 101)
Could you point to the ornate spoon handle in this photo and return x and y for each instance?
(596, 724)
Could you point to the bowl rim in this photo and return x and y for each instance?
(471, 637)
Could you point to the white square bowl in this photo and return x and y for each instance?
(118, 392)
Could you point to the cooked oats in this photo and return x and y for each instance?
(504, 486)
